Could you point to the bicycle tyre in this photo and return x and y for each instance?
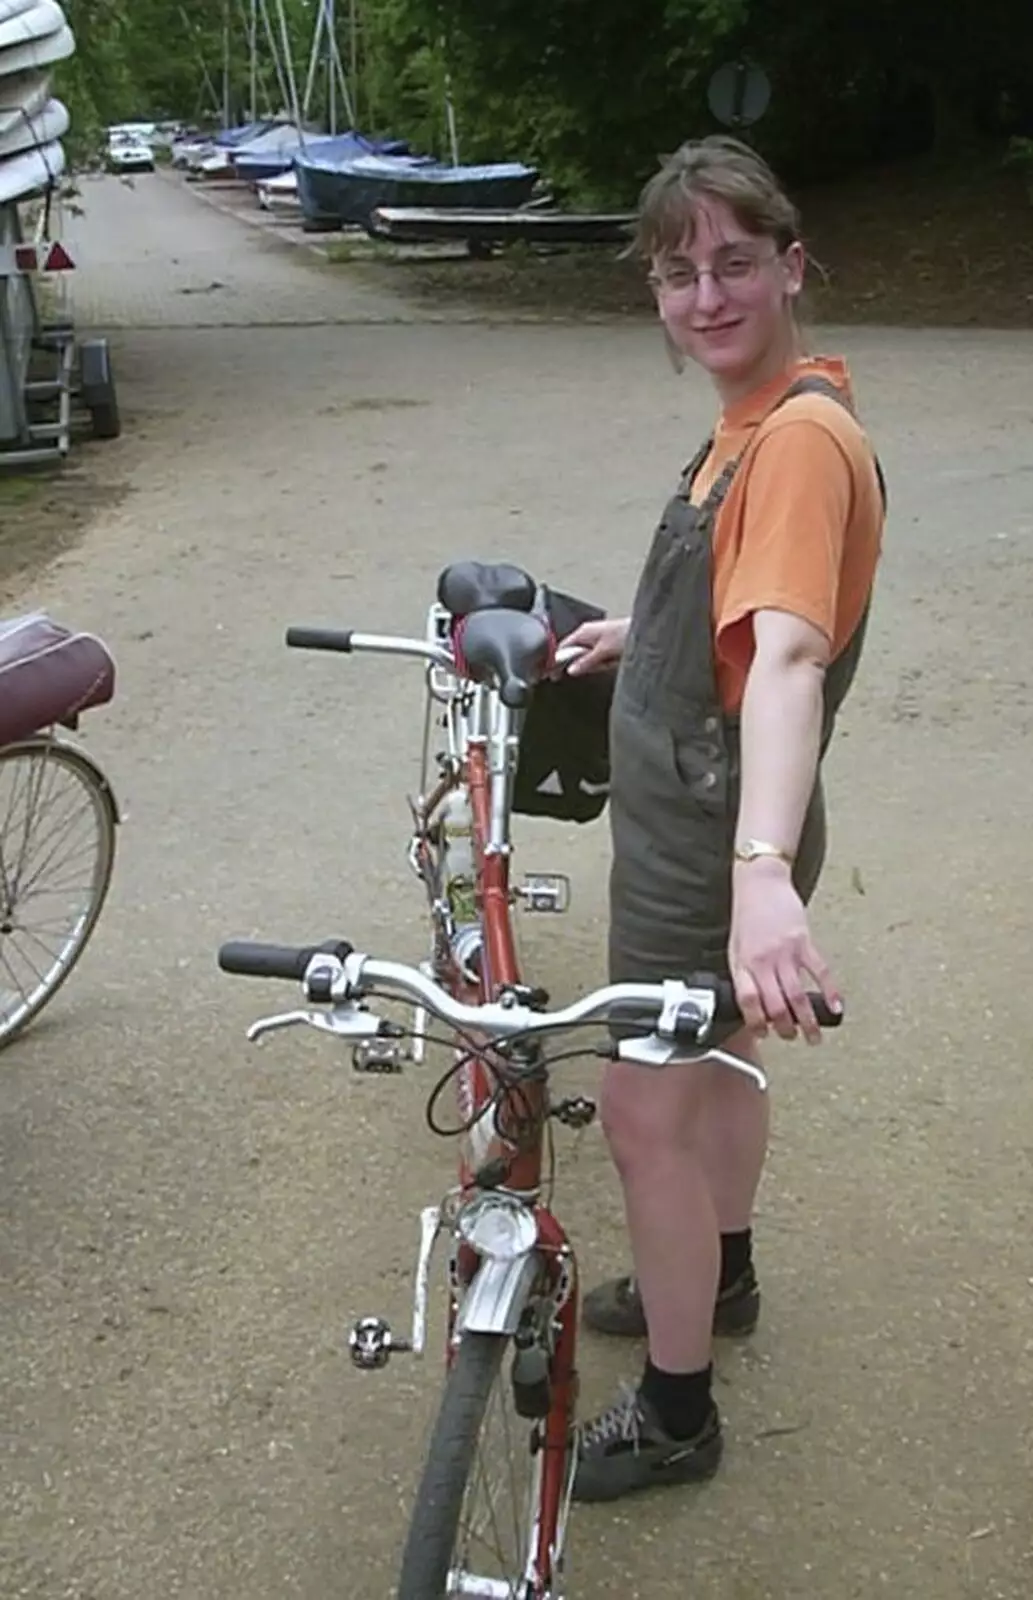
(428, 1555)
(84, 771)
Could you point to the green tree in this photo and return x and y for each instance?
(591, 90)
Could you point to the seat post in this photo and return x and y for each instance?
(502, 764)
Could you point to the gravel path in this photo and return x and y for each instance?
(191, 1225)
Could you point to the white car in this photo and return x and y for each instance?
(128, 152)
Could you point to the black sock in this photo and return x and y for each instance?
(736, 1257)
(681, 1399)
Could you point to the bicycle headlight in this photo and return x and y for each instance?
(498, 1228)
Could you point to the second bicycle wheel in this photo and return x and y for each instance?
(474, 1521)
(57, 849)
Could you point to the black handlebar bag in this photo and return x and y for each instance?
(563, 764)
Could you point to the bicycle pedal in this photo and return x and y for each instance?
(371, 1344)
(577, 1111)
(380, 1056)
(545, 891)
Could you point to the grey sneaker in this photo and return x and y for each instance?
(615, 1308)
(626, 1449)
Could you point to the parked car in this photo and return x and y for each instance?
(129, 152)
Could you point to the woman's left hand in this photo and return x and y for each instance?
(772, 956)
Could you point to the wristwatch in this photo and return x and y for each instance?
(755, 849)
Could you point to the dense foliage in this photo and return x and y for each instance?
(590, 89)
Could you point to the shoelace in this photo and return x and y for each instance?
(623, 1421)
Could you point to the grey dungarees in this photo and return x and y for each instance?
(675, 770)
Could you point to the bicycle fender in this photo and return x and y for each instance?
(102, 777)
(495, 1300)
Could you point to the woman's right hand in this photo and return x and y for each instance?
(602, 642)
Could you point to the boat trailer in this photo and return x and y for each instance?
(46, 373)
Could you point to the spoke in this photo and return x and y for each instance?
(4, 880)
(497, 1549)
(9, 876)
(45, 925)
(40, 977)
(482, 1518)
(514, 1497)
(62, 889)
(504, 1411)
(14, 765)
(55, 955)
(39, 783)
(60, 839)
(64, 829)
(35, 763)
(16, 981)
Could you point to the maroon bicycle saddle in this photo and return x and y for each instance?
(48, 675)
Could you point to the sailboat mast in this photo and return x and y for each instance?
(253, 59)
(331, 76)
(226, 122)
(353, 59)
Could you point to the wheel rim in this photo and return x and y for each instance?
(55, 857)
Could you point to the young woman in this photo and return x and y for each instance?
(742, 643)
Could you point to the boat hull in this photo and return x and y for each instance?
(348, 195)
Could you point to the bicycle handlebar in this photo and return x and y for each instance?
(333, 972)
(349, 641)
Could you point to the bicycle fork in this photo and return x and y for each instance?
(514, 1247)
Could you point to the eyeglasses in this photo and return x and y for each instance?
(732, 270)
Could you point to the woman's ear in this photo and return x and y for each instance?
(794, 263)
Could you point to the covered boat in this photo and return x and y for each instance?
(336, 194)
(256, 165)
(221, 162)
(190, 151)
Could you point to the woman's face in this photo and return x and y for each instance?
(725, 298)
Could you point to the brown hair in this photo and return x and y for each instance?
(716, 168)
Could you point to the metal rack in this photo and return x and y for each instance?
(46, 374)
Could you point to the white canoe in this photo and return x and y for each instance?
(14, 8)
(44, 18)
(39, 52)
(33, 170)
(50, 123)
(23, 95)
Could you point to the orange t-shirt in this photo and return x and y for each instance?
(800, 529)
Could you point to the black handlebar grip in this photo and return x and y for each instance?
(728, 1007)
(339, 639)
(248, 960)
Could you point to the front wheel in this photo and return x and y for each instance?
(479, 1504)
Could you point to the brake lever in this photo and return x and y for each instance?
(344, 1022)
(651, 1050)
(747, 1068)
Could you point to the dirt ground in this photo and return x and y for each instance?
(190, 1225)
